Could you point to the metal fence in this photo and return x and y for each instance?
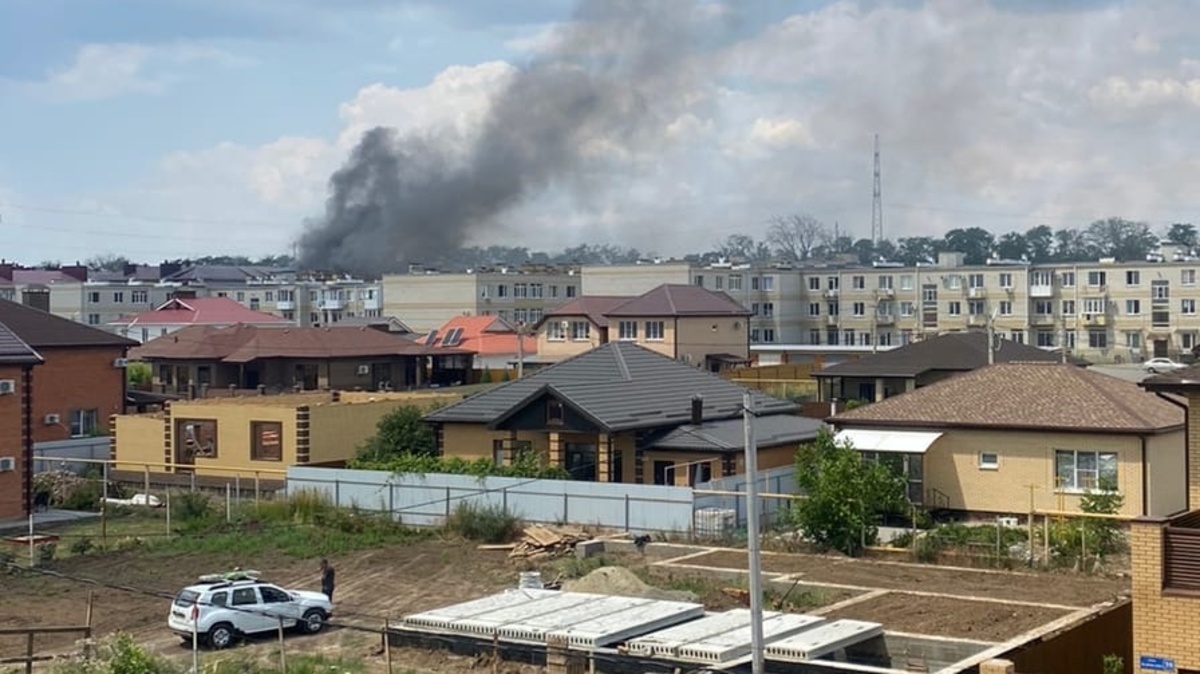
(725, 497)
(73, 455)
(427, 500)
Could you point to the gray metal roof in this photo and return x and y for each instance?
(14, 351)
(729, 434)
(620, 386)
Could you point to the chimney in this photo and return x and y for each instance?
(6, 270)
(697, 410)
(38, 298)
(76, 271)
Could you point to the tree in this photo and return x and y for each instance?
(886, 250)
(107, 262)
(917, 249)
(843, 495)
(743, 247)
(795, 236)
(1070, 245)
(1182, 234)
(975, 243)
(1012, 246)
(400, 432)
(1123, 239)
(1039, 241)
(865, 250)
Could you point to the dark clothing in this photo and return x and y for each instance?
(327, 576)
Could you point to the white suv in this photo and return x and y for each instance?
(222, 607)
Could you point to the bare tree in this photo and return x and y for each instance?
(795, 236)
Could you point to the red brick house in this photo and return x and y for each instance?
(17, 360)
(81, 382)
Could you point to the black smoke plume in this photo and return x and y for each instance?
(614, 77)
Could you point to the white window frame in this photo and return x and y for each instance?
(655, 331)
(1079, 478)
(581, 331)
(989, 461)
(555, 332)
(1187, 277)
(1006, 308)
(627, 331)
(1006, 280)
(1187, 306)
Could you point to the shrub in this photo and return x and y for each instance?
(190, 506)
(117, 655)
(489, 523)
(400, 432)
(46, 553)
(82, 546)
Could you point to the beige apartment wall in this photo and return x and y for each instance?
(558, 349)
(1025, 458)
(631, 279)
(1166, 471)
(700, 336)
(426, 302)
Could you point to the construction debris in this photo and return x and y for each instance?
(541, 542)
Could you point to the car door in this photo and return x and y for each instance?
(250, 615)
(279, 604)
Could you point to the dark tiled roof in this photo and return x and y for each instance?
(1179, 380)
(13, 351)
(225, 273)
(594, 307)
(679, 300)
(953, 352)
(729, 434)
(621, 386)
(1049, 396)
(245, 343)
(40, 329)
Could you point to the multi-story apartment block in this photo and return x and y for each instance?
(425, 300)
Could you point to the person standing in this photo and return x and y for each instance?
(327, 578)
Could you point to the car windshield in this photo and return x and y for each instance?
(187, 598)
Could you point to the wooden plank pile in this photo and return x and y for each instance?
(541, 542)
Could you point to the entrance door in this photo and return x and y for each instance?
(581, 460)
(306, 376)
(1160, 348)
(381, 376)
(663, 470)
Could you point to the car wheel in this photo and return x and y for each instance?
(313, 621)
(221, 636)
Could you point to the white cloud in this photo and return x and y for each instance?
(109, 70)
(1121, 92)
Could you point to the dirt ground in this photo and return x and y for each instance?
(1066, 589)
(945, 617)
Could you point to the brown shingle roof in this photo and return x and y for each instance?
(13, 351)
(245, 343)
(954, 352)
(679, 300)
(594, 307)
(40, 329)
(1024, 396)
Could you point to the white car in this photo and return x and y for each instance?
(223, 607)
(1161, 365)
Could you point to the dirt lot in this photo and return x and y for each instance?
(1051, 588)
(944, 617)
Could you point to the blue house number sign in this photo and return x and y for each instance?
(1155, 664)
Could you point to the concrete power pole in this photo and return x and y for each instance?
(877, 201)
(991, 337)
(753, 542)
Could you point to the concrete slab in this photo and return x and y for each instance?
(489, 624)
(614, 628)
(729, 646)
(664, 643)
(533, 630)
(821, 640)
(443, 618)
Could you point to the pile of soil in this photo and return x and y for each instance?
(621, 582)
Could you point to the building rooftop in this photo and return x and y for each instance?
(1037, 395)
(201, 311)
(729, 434)
(679, 300)
(485, 335)
(14, 351)
(40, 329)
(594, 307)
(953, 352)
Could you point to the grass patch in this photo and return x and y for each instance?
(296, 664)
(484, 523)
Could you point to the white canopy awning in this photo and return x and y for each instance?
(904, 442)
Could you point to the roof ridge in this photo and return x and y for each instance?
(1092, 380)
(621, 364)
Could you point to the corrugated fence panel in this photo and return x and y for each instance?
(426, 500)
(65, 454)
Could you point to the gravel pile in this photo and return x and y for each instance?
(621, 582)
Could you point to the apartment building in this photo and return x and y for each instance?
(425, 300)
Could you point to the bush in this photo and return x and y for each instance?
(190, 506)
(488, 524)
(400, 432)
(526, 465)
(82, 546)
(117, 655)
(46, 553)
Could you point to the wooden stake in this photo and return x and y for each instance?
(282, 649)
(387, 644)
(29, 653)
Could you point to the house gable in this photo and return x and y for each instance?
(540, 411)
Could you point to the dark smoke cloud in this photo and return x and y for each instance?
(619, 72)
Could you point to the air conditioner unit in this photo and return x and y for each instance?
(51, 419)
(1008, 521)
(8, 386)
(7, 464)
(364, 369)
(120, 362)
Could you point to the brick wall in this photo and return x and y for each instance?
(1163, 625)
(12, 504)
(1194, 452)
(76, 378)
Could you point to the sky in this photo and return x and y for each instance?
(170, 128)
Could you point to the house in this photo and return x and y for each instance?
(687, 322)
(199, 360)
(622, 413)
(385, 323)
(880, 375)
(496, 342)
(254, 436)
(1165, 550)
(980, 442)
(184, 312)
(17, 360)
(82, 381)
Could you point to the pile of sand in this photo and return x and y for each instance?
(622, 582)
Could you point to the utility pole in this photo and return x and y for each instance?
(753, 543)
(520, 349)
(877, 201)
(991, 338)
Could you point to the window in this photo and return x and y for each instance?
(571, 291)
(1133, 277)
(834, 309)
(860, 309)
(884, 308)
(1097, 339)
(535, 315)
(699, 280)
(139, 297)
(1076, 470)
(1133, 307)
(885, 339)
(1043, 307)
(1006, 280)
(93, 319)
(83, 422)
(241, 296)
(118, 297)
(975, 280)
(858, 282)
(814, 336)
(1045, 338)
(975, 307)
(833, 283)
(554, 412)
(1070, 339)
(1160, 290)
(1093, 305)
(1133, 340)
(1005, 308)
(906, 282)
(989, 461)
(735, 282)
(520, 316)
(501, 290)
(1068, 279)
(195, 438)
(94, 297)
(1068, 307)
(627, 330)
(1041, 278)
(268, 296)
(581, 331)
(1187, 307)
(754, 309)
(848, 337)
(219, 598)
(553, 291)
(907, 308)
(244, 596)
(768, 335)
(955, 308)
(885, 282)
(654, 331)
(266, 441)
(555, 332)
(1017, 336)
(864, 339)
(755, 335)
(814, 308)
(274, 595)
(1188, 340)
(1187, 277)
(768, 284)
(768, 309)
(720, 280)
(1096, 279)
(814, 282)
(954, 282)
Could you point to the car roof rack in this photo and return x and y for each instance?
(231, 576)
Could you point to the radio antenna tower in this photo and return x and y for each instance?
(877, 202)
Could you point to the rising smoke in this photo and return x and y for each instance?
(614, 77)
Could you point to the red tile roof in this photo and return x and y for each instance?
(201, 311)
(679, 300)
(1049, 396)
(594, 307)
(245, 343)
(485, 335)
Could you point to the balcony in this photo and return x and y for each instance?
(831, 320)
(1042, 319)
(372, 304)
(977, 292)
(884, 319)
(285, 305)
(1095, 320)
(885, 292)
(1041, 291)
(331, 305)
(831, 294)
(977, 321)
